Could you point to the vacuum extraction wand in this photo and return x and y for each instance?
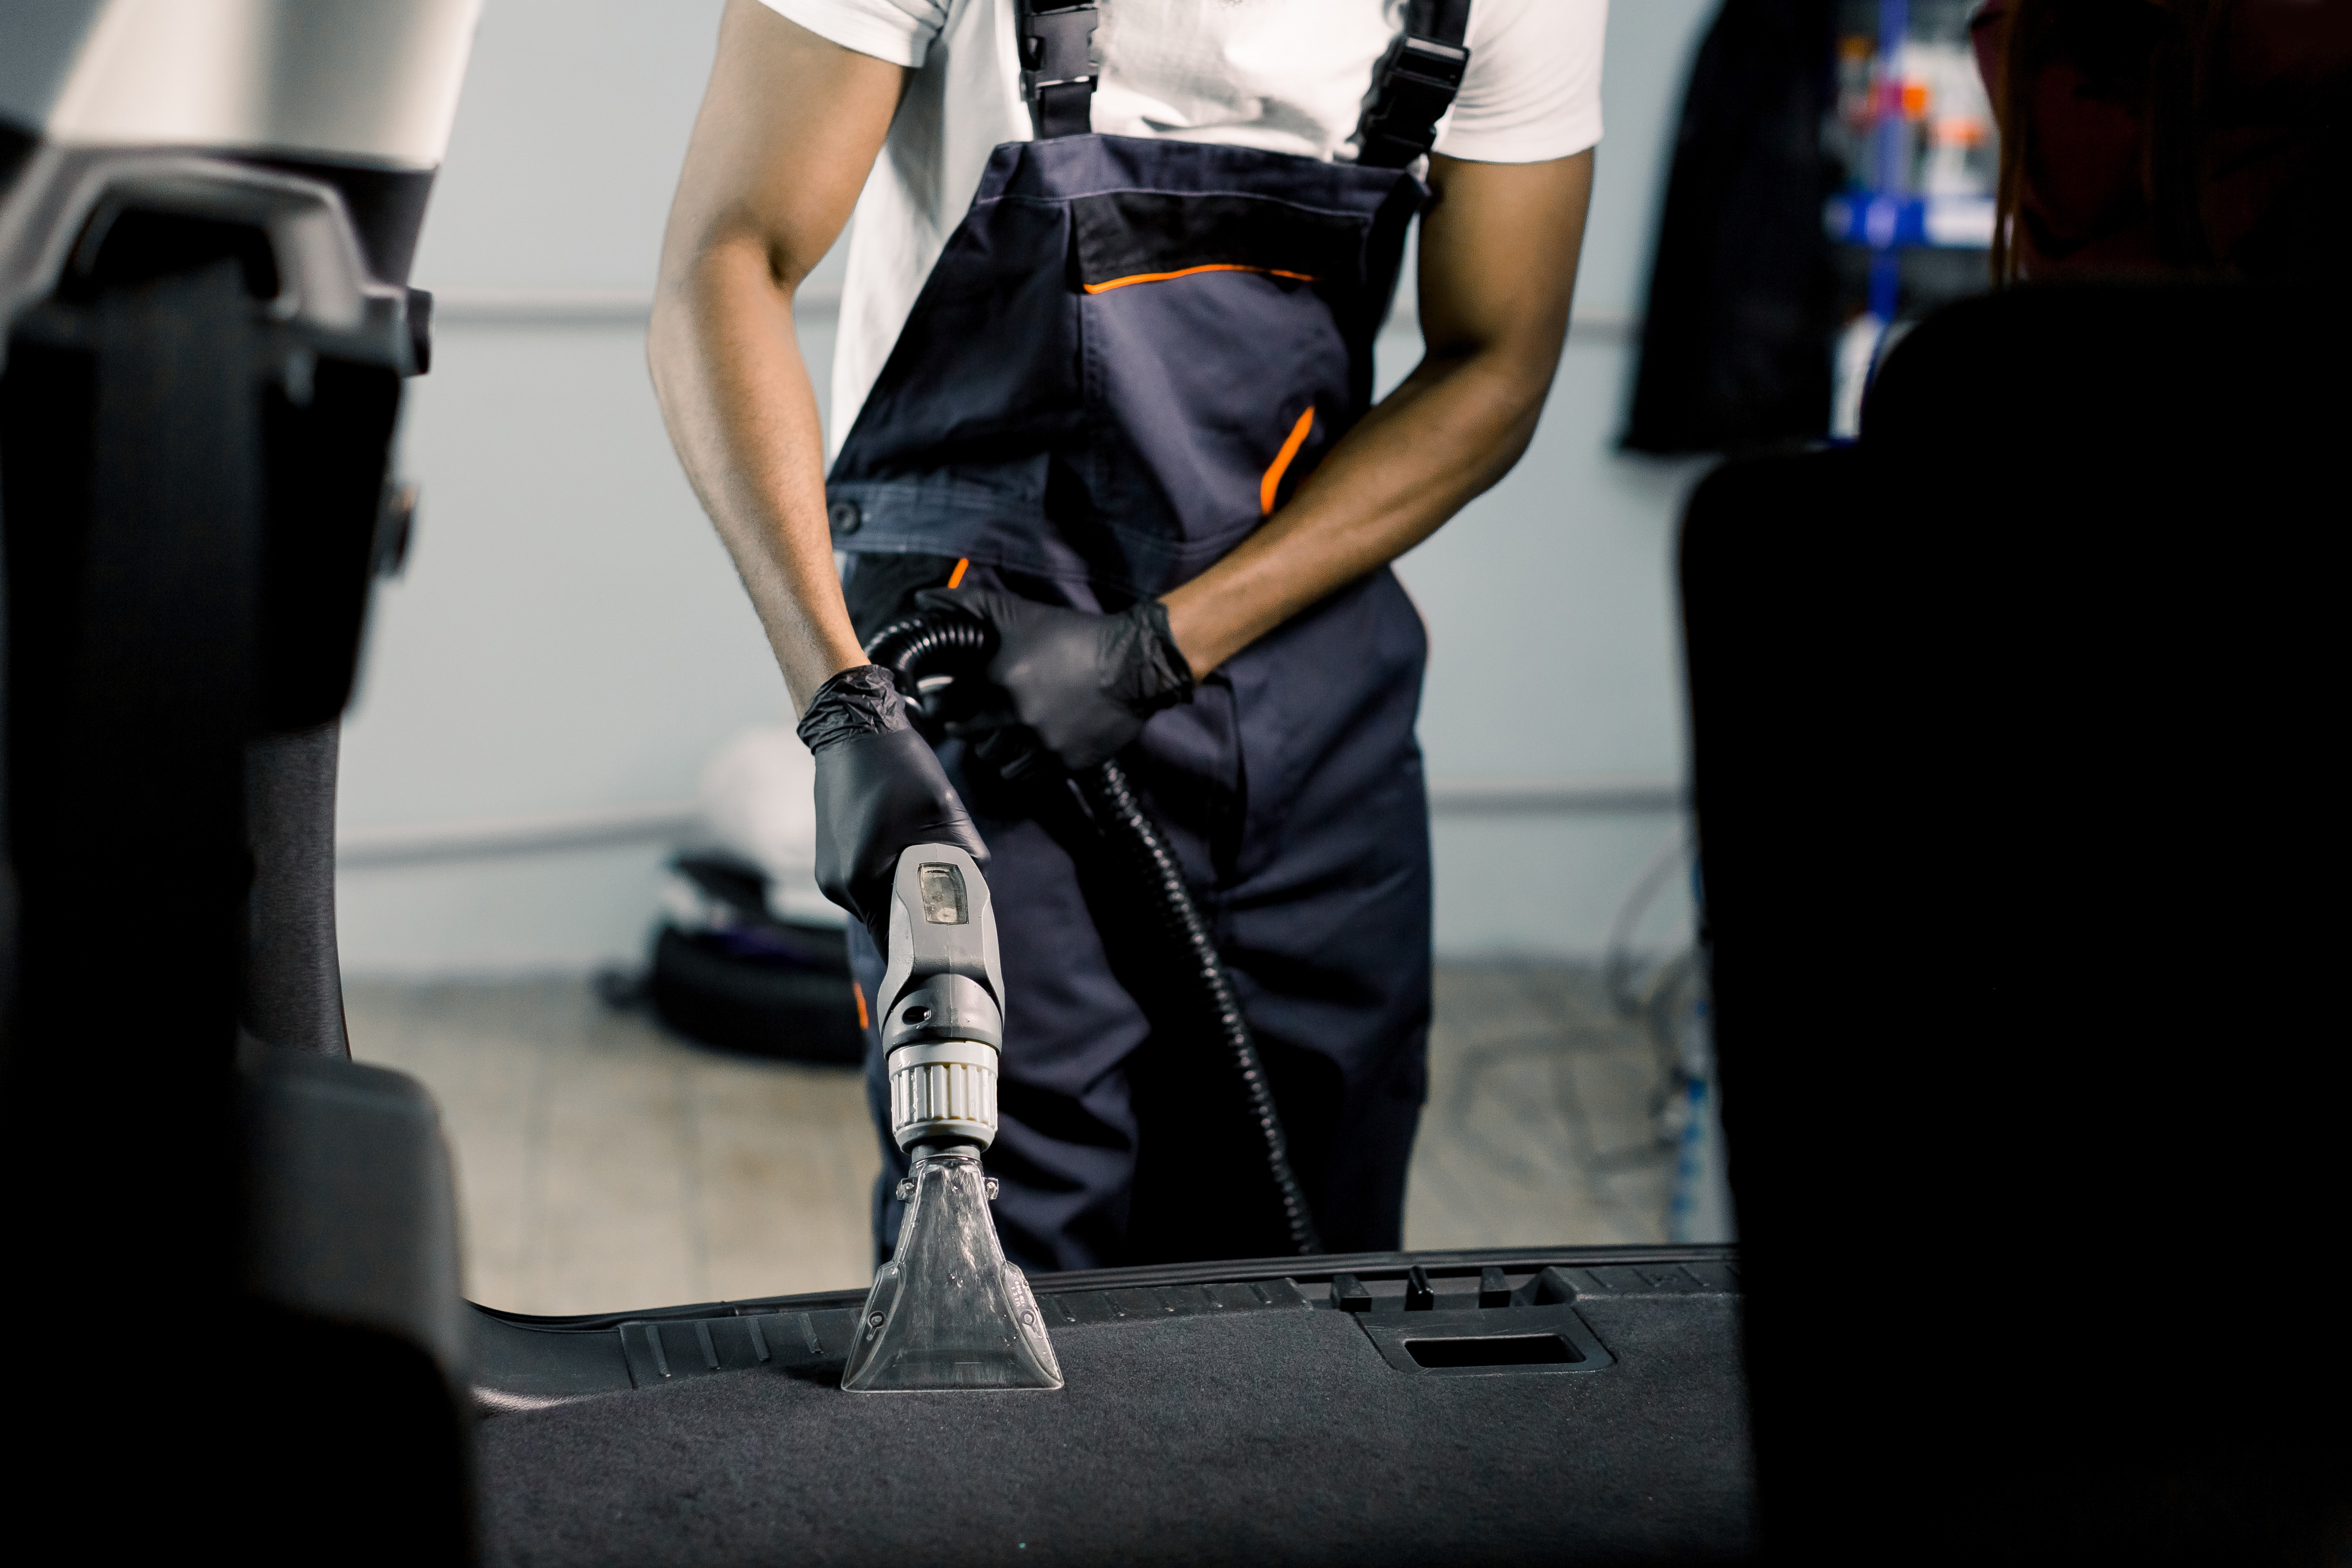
(947, 1311)
(928, 655)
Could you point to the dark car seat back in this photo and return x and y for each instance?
(2012, 732)
(234, 1277)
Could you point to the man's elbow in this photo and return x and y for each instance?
(1511, 441)
(701, 292)
(1519, 374)
(735, 276)
(1519, 387)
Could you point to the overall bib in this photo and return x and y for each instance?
(1129, 353)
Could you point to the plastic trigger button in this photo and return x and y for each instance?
(1348, 1294)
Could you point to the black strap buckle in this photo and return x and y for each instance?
(1057, 68)
(1413, 88)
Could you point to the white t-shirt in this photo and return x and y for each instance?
(1289, 76)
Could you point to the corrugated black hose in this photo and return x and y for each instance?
(946, 643)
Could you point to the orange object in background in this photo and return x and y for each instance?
(1961, 131)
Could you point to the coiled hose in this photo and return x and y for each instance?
(949, 643)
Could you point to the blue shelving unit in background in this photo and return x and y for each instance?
(1918, 135)
(1894, 223)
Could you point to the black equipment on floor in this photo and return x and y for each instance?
(2013, 729)
(735, 976)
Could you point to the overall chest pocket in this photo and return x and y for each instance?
(1217, 364)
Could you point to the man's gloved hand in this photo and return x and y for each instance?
(1084, 682)
(878, 789)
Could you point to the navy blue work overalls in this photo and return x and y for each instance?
(1131, 353)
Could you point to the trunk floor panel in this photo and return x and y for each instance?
(1264, 1436)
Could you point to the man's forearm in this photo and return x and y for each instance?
(1498, 253)
(743, 414)
(1446, 434)
(788, 129)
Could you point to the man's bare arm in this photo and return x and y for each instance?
(1498, 255)
(789, 124)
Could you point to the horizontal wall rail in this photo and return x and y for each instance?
(654, 821)
(464, 305)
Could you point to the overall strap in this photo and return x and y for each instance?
(1057, 67)
(1415, 84)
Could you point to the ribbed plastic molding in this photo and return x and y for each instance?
(943, 1089)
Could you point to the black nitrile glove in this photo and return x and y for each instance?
(878, 789)
(1085, 683)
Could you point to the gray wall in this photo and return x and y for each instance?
(570, 635)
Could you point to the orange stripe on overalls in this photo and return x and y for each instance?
(1268, 486)
(1188, 271)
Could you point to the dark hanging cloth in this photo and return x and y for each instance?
(1736, 336)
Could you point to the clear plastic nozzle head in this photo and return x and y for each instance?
(948, 1311)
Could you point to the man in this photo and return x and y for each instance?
(1103, 379)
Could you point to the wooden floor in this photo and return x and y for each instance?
(605, 1165)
